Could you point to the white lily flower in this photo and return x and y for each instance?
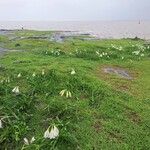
(19, 75)
(120, 48)
(32, 140)
(62, 92)
(43, 72)
(26, 142)
(46, 94)
(69, 94)
(100, 55)
(65, 92)
(46, 134)
(73, 72)
(2, 81)
(97, 52)
(16, 90)
(33, 75)
(1, 124)
(54, 133)
(136, 52)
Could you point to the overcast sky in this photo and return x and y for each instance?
(60, 10)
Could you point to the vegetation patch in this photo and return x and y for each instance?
(57, 96)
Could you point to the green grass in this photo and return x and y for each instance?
(104, 112)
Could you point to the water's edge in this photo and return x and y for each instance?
(101, 29)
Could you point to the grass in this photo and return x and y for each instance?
(105, 110)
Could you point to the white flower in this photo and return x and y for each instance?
(54, 133)
(32, 140)
(43, 72)
(62, 92)
(136, 52)
(100, 55)
(97, 52)
(1, 124)
(73, 72)
(68, 93)
(26, 142)
(120, 48)
(142, 55)
(46, 134)
(2, 81)
(16, 90)
(33, 75)
(122, 57)
(19, 75)
(47, 94)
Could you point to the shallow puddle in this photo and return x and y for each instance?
(118, 71)
(61, 36)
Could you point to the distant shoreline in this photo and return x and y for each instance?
(101, 29)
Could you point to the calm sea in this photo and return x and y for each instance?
(102, 29)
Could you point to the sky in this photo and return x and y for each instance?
(74, 10)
